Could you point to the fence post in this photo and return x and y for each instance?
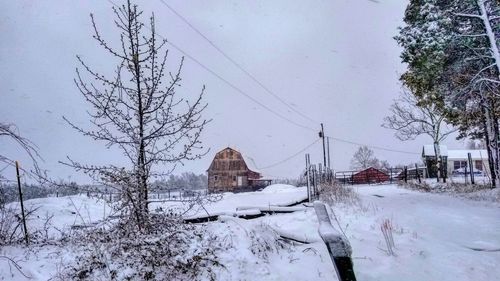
(22, 204)
(406, 174)
(443, 171)
(471, 168)
(320, 173)
(465, 174)
(418, 173)
(338, 246)
(308, 178)
(314, 181)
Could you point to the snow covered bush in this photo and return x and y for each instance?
(334, 193)
(170, 251)
(414, 185)
(492, 195)
(448, 187)
(10, 226)
(264, 241)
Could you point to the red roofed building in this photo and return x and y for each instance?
(370, 175)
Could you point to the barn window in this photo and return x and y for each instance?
(234, 178)
(215, 178)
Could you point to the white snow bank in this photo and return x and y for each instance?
(280, 195)
(62, 213)
(255, 251)
(492, 195)
(279, 188)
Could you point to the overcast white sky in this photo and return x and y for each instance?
(333, 60)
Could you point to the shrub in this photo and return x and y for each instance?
(334, 193)
(169, 251)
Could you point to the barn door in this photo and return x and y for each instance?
(240, 180)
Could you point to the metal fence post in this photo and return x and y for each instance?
(418, 173)
(406, 174)
(471, 168)
(465, 174)
(22, 203)
(308, 178)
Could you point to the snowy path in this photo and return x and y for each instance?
(433, 240)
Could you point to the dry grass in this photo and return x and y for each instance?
(335, 193)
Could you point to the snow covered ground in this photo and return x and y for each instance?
(434, 236)
(275, 195)
(437, 237)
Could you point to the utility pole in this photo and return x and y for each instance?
(328, 150)
(322, 135)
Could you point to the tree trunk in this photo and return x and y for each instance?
(492, 135)
(490, 33)
(437, 153)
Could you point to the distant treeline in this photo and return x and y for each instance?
(9, 191)
(186, 181)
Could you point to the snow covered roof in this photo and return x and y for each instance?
(462, 154)
(250, 163)
(428, 150)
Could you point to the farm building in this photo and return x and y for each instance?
(230, 171)
(455, 160)
(370, 175)
(429, 158)
(458, 159)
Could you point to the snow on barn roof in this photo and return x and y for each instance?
(429, 150)
(462, 154)
(250, 163)
(248, 160)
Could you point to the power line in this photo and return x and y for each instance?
(247, 73)
(372, 146)
(234, 87)
(290, 157)
(256, 80)
(225, 81)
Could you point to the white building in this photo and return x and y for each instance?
(455, 160)
(458, 159)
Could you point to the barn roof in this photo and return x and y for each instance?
(250, 163)
(369, 169)
(428, 150)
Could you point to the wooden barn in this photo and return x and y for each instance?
(370, 175)
(230, 171)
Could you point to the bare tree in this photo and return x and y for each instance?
(138, 111)
(364, 158)
(412, 117)
(10, 131)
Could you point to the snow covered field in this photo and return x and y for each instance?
(437, 237)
